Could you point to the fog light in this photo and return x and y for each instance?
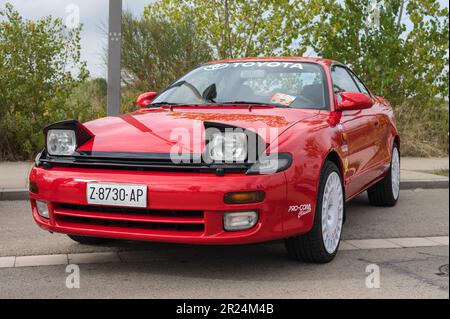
(239, 220)
(42, 209)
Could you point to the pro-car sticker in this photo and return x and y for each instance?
(302, 209)
(286, 65)
(283, 99)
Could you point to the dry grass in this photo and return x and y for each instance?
(441, 172)
(423, 132)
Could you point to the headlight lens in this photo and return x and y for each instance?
(228, 147)
(61, 142)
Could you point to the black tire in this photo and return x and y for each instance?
(381, 194)
(90, 240)
(310, 247)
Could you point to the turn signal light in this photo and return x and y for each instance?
(244, 197)
(33, 188)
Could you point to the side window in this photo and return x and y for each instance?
(361, 85)
(342, 81)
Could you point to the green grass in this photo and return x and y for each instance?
(441, 172)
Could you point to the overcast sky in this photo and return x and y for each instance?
(93, 15)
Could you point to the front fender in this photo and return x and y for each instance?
(310, 143)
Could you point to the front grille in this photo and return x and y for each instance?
(137, 161)
(131, 225)
(119, 219)
(134, 211)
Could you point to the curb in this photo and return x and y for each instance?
(22, 194)
(425, 184)
(13, 194)
(145, 256)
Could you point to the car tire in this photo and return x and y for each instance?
(386, 192)
(311, 247)
(90, 240)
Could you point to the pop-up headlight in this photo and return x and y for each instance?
(228, 147)
(61, 142)
(63, 138)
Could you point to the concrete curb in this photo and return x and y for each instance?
(22, 194)
(143, 256)
(426, 184)
(13, 194)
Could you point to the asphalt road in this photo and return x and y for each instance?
(252, 271)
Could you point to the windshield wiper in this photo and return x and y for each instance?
(162, 104)
(250, 104)
(246, 103)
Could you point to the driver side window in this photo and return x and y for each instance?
(361, 85)
(342, 81)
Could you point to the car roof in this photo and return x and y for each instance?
(277, 59)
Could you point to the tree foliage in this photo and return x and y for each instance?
(156, 52)
(370, 36)
(397, 62)
(36, 60)
(239, 28)
(398, 47)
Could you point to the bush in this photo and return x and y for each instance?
(36, 59)
(424, 131)
(155, 52)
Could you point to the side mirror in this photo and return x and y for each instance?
(353, 101)
(145, 99)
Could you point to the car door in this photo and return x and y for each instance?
(381, 160)
(358, 128)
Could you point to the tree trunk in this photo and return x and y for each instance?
(229, 50)
(402, 4)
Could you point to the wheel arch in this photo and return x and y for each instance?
(397, 142)
(333, 156)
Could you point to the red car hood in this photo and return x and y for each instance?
(158, 130)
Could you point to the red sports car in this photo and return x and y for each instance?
(235, 152)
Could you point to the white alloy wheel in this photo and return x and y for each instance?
(395, 173)
(320, 244)
(332, 212)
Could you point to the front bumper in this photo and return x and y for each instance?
(182, 207)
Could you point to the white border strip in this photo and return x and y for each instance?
(140, 256)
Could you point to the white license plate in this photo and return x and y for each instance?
(117, 195)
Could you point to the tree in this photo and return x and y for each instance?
(156, 52)
(406, 64)
(240, 28)
(37, 60)
(86, 101)
(398, 62)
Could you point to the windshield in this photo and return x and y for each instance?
(282, 84)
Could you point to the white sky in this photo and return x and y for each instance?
(93, 16)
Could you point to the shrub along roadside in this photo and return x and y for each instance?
(424, 131)
(36, 59)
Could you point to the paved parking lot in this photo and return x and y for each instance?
(408, 244)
